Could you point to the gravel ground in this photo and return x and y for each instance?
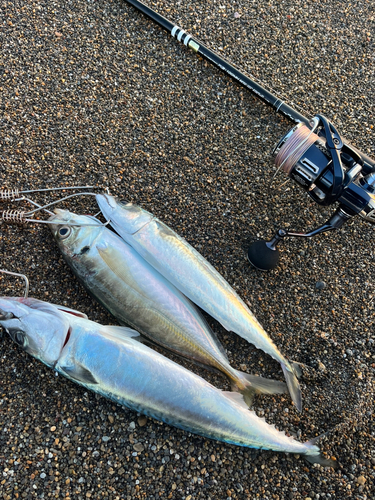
(94, 93)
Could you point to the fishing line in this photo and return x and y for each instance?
(290, 152)
(13, 194)
(21, 216)
(294, 146)
(21, 276)
(59, 201)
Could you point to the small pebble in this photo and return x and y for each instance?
(142, 420)
(138, 447)
(320, 285)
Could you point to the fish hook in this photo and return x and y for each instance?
(14, 194)
(21, 217)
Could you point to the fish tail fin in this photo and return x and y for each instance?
(297, 368)
(315, 456)
(293, 384)
(319, 459)
(252, 384)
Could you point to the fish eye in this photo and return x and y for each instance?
(123, 202)
(64, 231)
(18, 337)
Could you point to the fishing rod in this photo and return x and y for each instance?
(312, 153)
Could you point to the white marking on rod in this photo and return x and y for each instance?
(175, 28)
(186, 41)
(279, 106)
(180, 35)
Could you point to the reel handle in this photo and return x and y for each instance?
(264, 255)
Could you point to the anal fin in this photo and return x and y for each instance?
(237, 398)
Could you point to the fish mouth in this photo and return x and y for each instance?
(66, 218)
(61, 216)
(109, 200)
(113, 201)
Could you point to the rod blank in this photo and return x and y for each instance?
(256, 89)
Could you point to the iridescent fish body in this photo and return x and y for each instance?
(111, 362)
(140, 297)
(192, 274)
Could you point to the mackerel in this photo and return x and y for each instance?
(194, 276)
(111, 362)
(140, 297)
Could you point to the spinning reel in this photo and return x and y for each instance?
(330, 171)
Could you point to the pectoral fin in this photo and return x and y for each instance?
(78, 373)
(120, 332)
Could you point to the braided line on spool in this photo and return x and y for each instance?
(13, 216)
(297, 144)
(9, 194)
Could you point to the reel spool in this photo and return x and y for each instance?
(330, 171)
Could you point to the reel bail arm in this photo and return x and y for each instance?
(264, 255)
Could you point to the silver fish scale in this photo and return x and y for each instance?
(138, 296)
(190, 272)
(165, 391)
(112, 363)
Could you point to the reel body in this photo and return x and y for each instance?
(330, 171)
